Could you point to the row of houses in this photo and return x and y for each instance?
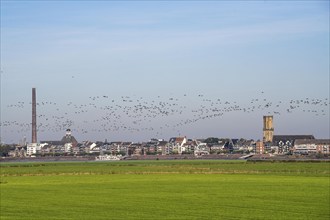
(282, 144)
(296, 144)
(176, 145)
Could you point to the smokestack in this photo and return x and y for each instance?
(34, 116)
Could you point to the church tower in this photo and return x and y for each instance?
(268, 131)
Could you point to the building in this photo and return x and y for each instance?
(18, 152)
(323, 146)
(201, 149)
(311, 146)
(245, 145)
(161, 147)
(260, 147)
(268, 130)
(67, 145)
(176, 145)
(285, 143)
(32, 149)
(69, 142)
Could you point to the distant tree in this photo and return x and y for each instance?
(238, 151)
(224, 151)
(214, 152)
(211, 140)
(174, 152)
(187, 152)
(151, 153)
(4, 150)
(82, 154)
(95, 154)
(319, 155)
(122, 153)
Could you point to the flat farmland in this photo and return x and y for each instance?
(176, 189)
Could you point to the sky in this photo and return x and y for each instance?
(136, 70)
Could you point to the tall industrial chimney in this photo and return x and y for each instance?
(34, 116)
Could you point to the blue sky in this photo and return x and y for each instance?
(187, 54)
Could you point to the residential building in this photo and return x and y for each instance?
(177, 144)
(260, 147)
(18, 152)
(311, 146)
(202, 149)
(285, 143)
(245, 145)
(32, 149)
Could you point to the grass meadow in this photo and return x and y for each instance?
(178, 189)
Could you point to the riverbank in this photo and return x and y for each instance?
(257, 157)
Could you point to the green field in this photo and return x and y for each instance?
(197, 189)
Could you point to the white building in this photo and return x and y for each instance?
(67, 147)
(33, 148)
(201, 149)
(305, 146)
(177, 144)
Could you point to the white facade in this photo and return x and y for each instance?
(305, 148)
(201, 149)
(33, 148)
(180, 146)
(67, 147)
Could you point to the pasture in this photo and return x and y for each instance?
(195, 189)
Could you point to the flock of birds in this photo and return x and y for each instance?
(138, 114)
